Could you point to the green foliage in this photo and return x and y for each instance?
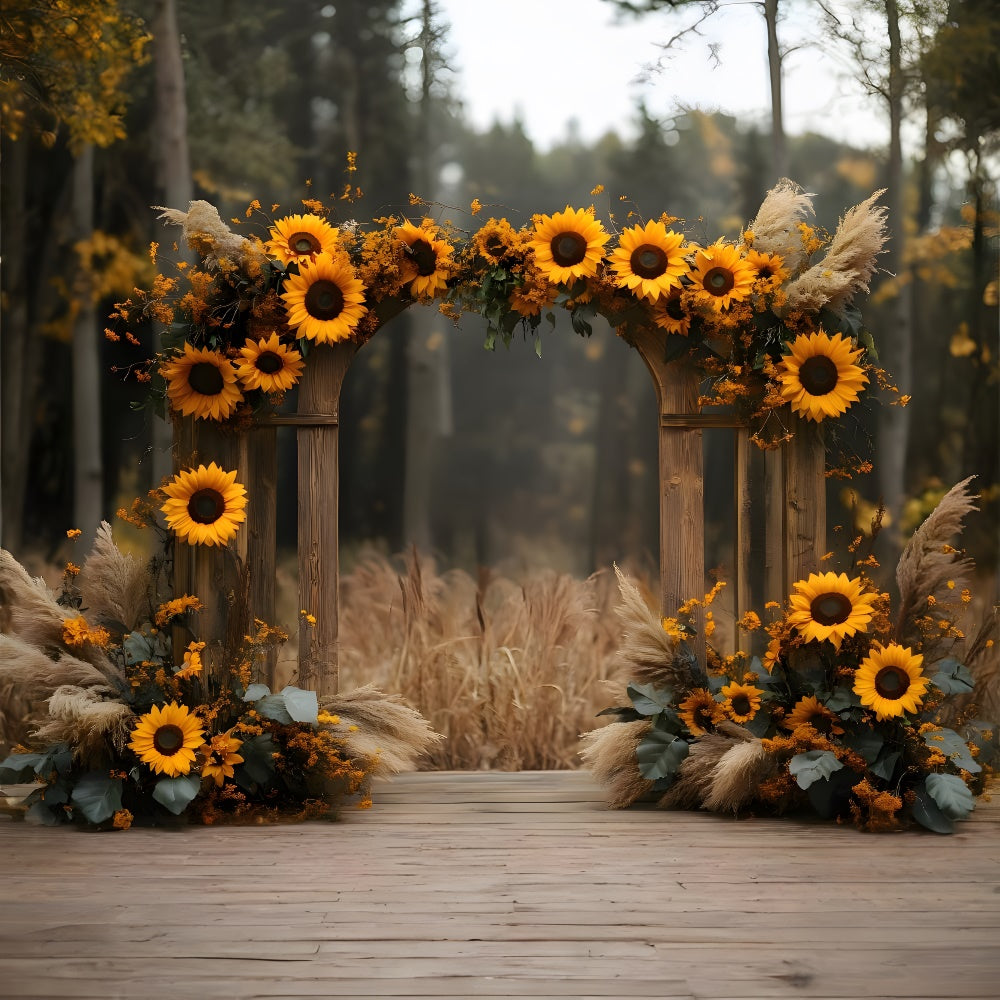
(660, 754)
(814, 765)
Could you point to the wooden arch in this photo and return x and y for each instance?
(795, 509)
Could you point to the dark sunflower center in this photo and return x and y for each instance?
(765, 272)
(648, 261)
(704, 716)
(168, 740)
(568, 249)
(674, 308)
(324, 300)
(423, 256)
(303, 243)
(830, 609)
(494, 245)
(821, 722)
(818, 375)
(892, 682)
(741, 704)
(206, 506)
(206, 378)
(719, 281)
(268, 362)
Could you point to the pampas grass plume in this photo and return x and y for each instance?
(776, 226)
(609, 753)
(115, 586)
(737, 776)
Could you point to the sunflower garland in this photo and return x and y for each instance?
(269, 365)
(427, 259)
(201, 383)
(325, 300)
(298, 238)
(721, 276)
(568, 245)
(205, 506)
(649, 260)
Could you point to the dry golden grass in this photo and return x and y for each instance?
(510, 673)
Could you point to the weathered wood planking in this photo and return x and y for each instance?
(502, 885)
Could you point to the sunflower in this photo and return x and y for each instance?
(220, 757)
(269, 365)
(769, 268)
(890, 680)
(325, 300)
(649, 260)
(166, 739)
(828, 606)
(427, 260)
(496, 241)
(699, 711)
(742, 701)
(721, 276)
(809, 711)
(568, 245)
(202, 383)
(670, 314)
(299, 238)
(819, 378)
(205, 505)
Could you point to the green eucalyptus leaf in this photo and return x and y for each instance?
(273, 707)
(177, 793)
(301, 704)
(538, 343)
(97, 796)
(954, 747)
(885, 766)
(764, 679)
(258, 758)
(953, 677)
(842, 699)
(649, 700)
(865, 742)
(256, 691)
(41, 815)
(813, 765)
(760, 723)
(830, 797)
(624, 713)
(19, 767)
(951, 795)
(138, 648)
(927, 812)
(660, 754)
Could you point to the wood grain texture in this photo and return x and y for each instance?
(805, 501)
(502, 885)
(318, 508)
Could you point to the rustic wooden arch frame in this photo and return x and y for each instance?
(794, 486)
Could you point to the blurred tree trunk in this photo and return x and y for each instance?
(18, 353)
(88, 476)
(779, 149)
(896, 343)
(173, 164)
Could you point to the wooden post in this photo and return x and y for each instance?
(317, 421)
(804, 485)
(741, 561)
(261, 531)
(682, 486)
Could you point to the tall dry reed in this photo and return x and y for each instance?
(510, 673)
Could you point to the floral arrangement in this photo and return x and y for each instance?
(850, 710)
(768, 318)
(136, 729)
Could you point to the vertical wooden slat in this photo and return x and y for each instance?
(741, 570)
(776, 582)
(805, 501)
(261, 531)
(318, 508)
(682, 489)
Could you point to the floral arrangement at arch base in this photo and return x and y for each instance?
(853, 711)
(124, 724)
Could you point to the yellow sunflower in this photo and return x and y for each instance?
(202, 383)
(300, 237)
(220, 757)
(205, 505)
(699, 711)
(325, 300)
(670, 314)
(721, 276)
(820, 378)
(809, 711)
(497, 239)
(166, 739)
(890, 680)
(649, 260)
(427, 262)
(742, 701)
(568, 245)
(269, 365)
(769, 268)
(830, 606)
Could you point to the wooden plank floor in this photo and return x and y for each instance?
(501, 885)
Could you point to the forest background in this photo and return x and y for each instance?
(504, 460)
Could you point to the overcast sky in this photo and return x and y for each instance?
(550, 61)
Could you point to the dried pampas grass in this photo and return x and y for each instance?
(380, 728)
(609, 753)
(737, 776)
(647, 654)
(694, 776)
(206, 234)
(28, 610)
(88, 719)
(848, 264)
(776, 226)
(929, 562)
(115, 587)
